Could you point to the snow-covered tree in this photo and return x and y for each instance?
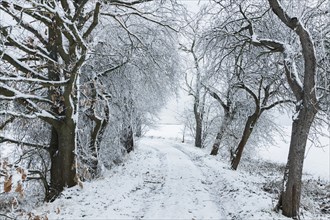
(290, 40)
(44, 46)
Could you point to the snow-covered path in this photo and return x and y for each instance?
(184, 193)
(165, 179)
(158, 181)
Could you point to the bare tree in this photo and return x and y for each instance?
(263, 99)
(306, 107)
(48, 60)
(43, 48)
(295, 68)
(194, 85)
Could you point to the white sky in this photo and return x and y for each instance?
(192, 5)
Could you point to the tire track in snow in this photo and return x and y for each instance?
(184, 194)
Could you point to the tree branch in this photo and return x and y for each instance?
(124, 3)
(249, 91)
(44, 83)
(217, 97)
(20, 66)
(8, 121)
(95, 20)
(277, 103)
(6, 139)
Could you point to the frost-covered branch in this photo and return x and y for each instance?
(6, 122)
(307, 44)
(9, 93)
(278, 46)
(44, 83)
(249, 91)
(10, 140)
(20, 65)
(127, 3)
(103, 73)
(213, 93)
(7, 216)
(27, 10)
(292, 78)
(41, 177)
(95, 20)
(276, 103)
(36, 51)
(46, 116)
(123, 25)
(26, 26)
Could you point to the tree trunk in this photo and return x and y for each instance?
(216, 145)
(128, 139)
(138, 132)
(199, 125)
(198, 135)
(62, 154)
(290, 195)
(220, 134)
(100, 124)
(249, 125)
(289, 200)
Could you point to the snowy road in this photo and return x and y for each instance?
(158, 181)
(184, 193)
(165, 179)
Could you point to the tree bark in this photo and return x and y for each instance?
(128, 139)
(199, 125)
(220, 134)
(138, 132)
(62, 155)
(289, 200)
(290, 196)
(249, 125)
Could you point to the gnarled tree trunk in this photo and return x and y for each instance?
(307, 107)
(62, 155)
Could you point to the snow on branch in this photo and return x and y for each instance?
(26, 26)
(27, 10)
(293, 79)
(307, 44)
(213, 92)
(8, 93)
(6, 122)
(107, 71)
(42, 114)
(282, 15)
(45, 83)
(6, 139)
(127, 3)
(95, 20)
(249, 91)
(20, 65)
(276, 103)
(41, 53)
(277, 46)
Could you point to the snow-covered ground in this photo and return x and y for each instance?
(166, 179)
(317, 159)
(158, 181)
